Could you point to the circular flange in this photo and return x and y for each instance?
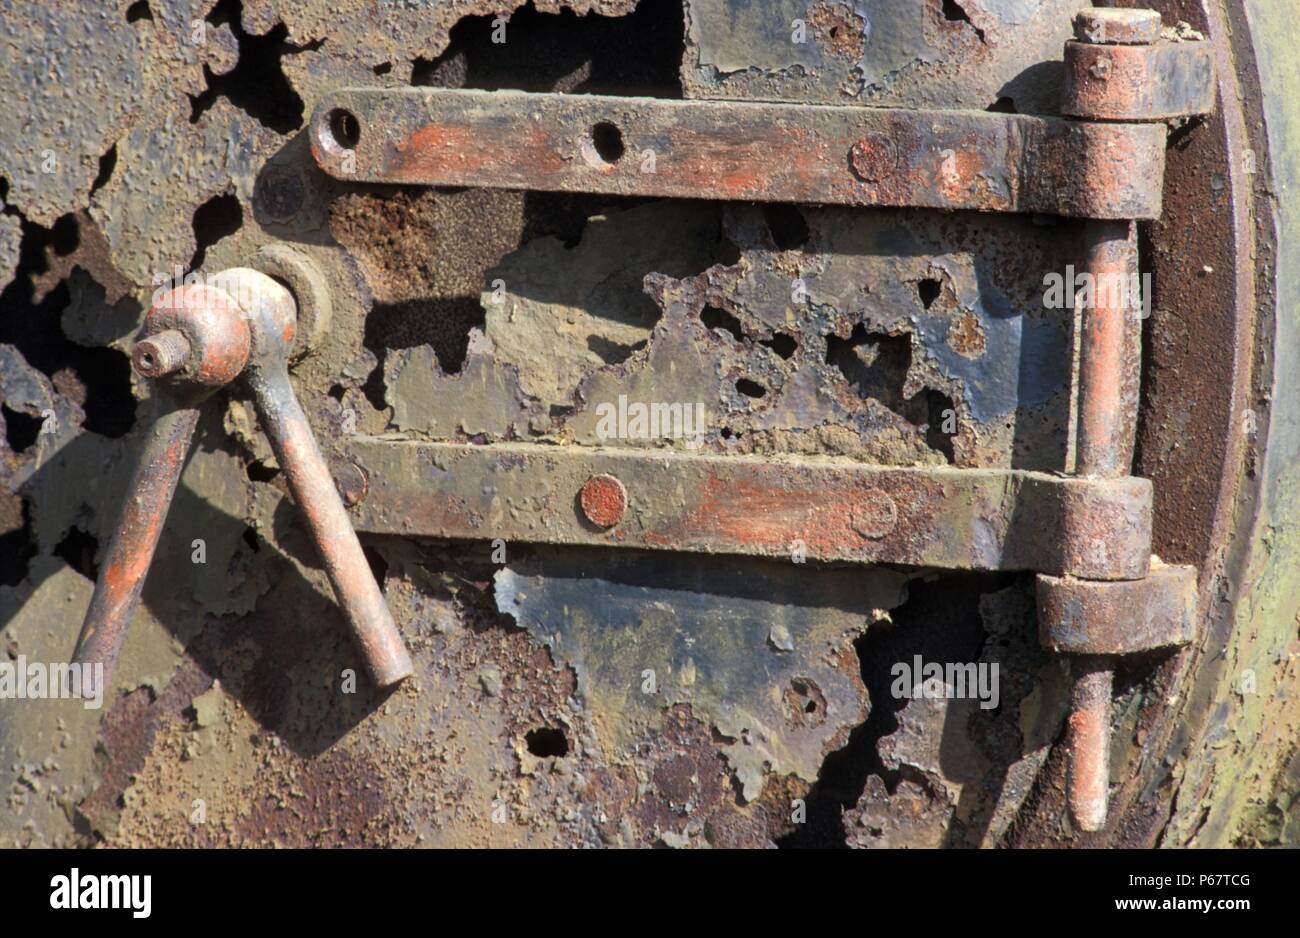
(297, 271)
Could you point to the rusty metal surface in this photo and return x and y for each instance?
(1200, 433)
(1154, 82)
(871, 360)
(279, 762)
(824, 510)
(1111, 25)
(1087, 741)
(1109, 358)
(603, 500)
(771, 668)
(740, 151)
(878, 52)
(131, 550)
(1107, 400)
(1123, 617)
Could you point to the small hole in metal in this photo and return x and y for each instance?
(344, 128)
(607, 140)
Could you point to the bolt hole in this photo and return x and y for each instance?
(344, 128)
(607, 141)
(723, 321)
(546, 741)
(928, 290)
(806, 701)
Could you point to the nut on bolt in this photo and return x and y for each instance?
(161, 354)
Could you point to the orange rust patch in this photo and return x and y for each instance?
(458, 149)
(838, 28)
(966, 335)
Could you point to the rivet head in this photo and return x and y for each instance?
(352, 482)
(279, 193)
(603, 500)
(873, 158)
(875, 515)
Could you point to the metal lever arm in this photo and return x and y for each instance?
(196, 339)
(270, 308)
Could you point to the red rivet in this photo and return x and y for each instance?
(603, 500)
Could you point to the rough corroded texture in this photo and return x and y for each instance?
(741, 151)
(1088, 741)
(1125, 617)
(275, 758)
(882, 52)
(952, 771)
(78, 76)
(894, 338)
(604, 500)
(1117, 26)
(11, 235)
(1138, 83)
(824, 510)
(772, 669)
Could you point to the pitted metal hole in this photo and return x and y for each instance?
(805, 702)
(603, 146)
(547, 742)
(344, 128)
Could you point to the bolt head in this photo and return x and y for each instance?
(352, 482)
(279, 193)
